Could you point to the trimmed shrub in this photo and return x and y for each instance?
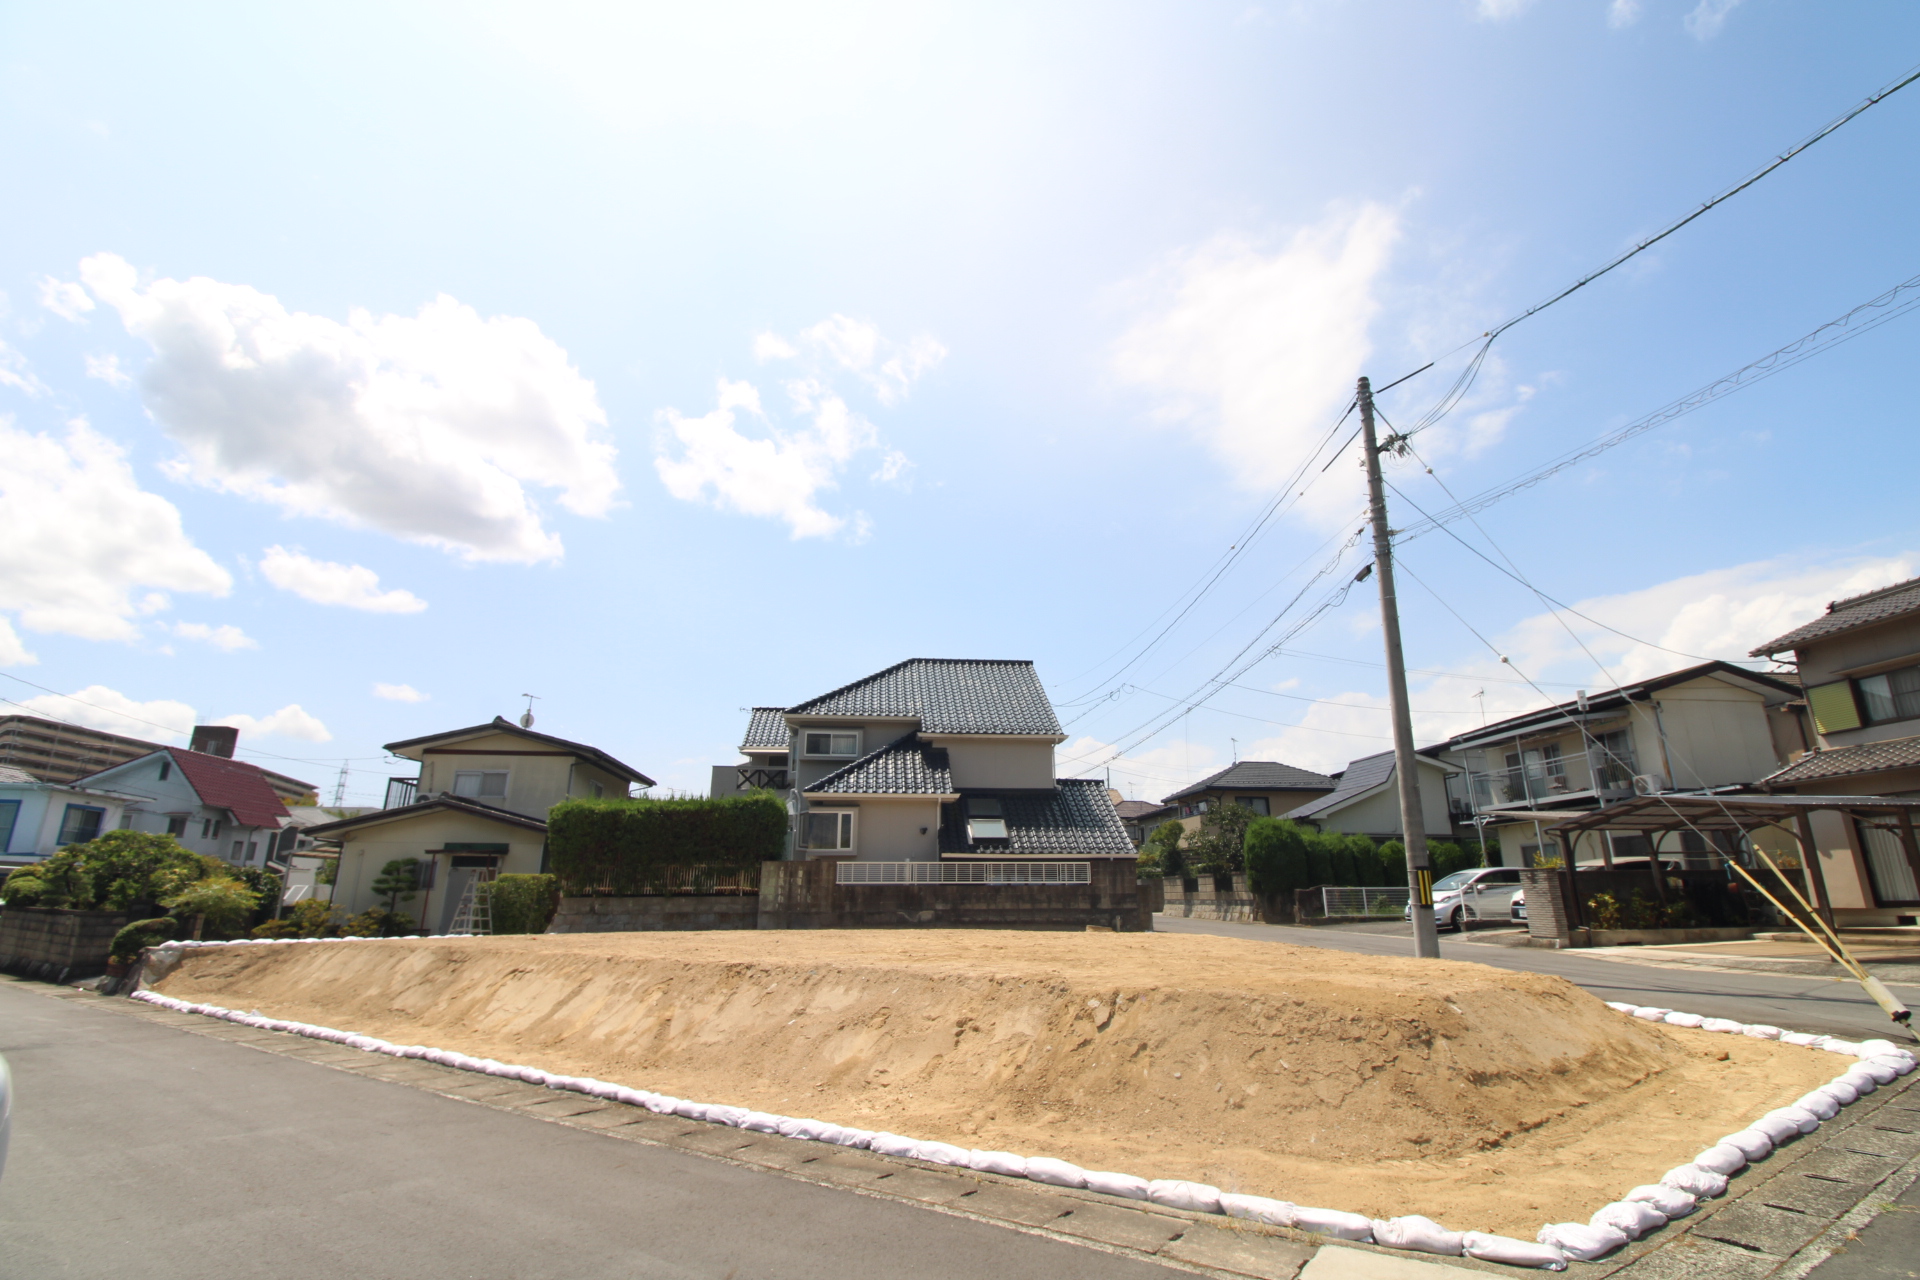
(1277, 858)
(378, 922)
(1162, 849)
(523, 904)
(311, 918)
(116, 871)
(128, 943)
(625, 847)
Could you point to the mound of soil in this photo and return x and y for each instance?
(1483, 1098)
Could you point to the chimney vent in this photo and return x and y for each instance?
(214, 740)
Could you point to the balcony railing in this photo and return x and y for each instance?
(963, 873)
(751, 777)
(400, 792)
(1541, 779)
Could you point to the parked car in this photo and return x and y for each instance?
(1517, 909)
(1476, 894)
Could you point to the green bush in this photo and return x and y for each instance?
(24, 888)
(627, 846)
(1162, 849)
(378, 922)
(1277, 856)
(128, 943)
(118, 871)
(311, 918)
(218, 903)
(397, 882)
(523, 904)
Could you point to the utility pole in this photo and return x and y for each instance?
(1413, 823)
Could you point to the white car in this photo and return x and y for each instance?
(1482, 893)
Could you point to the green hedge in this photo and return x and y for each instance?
(524, 904)
(627, 846)
(1283, 856)
(128, 943)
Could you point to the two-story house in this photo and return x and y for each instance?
(38, 819)
(478, 809)
(766, 750)
(1365, 800)
(938, 759)
(1266, 787)
(202, 797)
(1860, 665)
(1705, 726)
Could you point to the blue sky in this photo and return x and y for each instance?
(365, 370)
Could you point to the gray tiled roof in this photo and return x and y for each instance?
(1137, 808)
(1363, 774)
(1846, 615)
(767, 730)
(947, 695)
(1843, 762)
(904, 767)
(1258, 775)
(1074, 820)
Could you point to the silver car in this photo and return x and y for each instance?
(1482, 893)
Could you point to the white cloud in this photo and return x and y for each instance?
(1254, 348)
(225, 638)
(14, 373)
(845, 345)
(64, 298)
(771, 346)
(776, 474)
(12, 652)
(81, 537)
(107, 369)
(290, 721)
(1141, 775)
(98, 707)
(325, 582)
(1708, 17)
(428, 427)
(1623, 13)
(399, 693)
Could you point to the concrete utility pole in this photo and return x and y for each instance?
(1413, 823)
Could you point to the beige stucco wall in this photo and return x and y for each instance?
(1379, 813)
(538, 777)
(365, 851)
(1717, 734)
(1013, 763)
(890, 830)
(874, 734)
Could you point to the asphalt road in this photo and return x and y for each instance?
(1827, 1006)
(143, 1151)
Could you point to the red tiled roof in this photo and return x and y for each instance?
(233, 785)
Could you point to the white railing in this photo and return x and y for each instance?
(1361, 901)
(963, 873)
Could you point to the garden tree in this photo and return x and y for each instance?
(1220, 846)
(1276, 853)
(311, 918)
(267, 884)
(397, 881)
(220, 901)
(1164, 848)
(118, 871)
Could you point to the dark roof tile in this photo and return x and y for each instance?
(766, 731)
(1849, 615)
(1359, 776)
(946, 695)
(1258, 775)
(904, 767)
(1074, 820)
(500, 724)
(1844, 762)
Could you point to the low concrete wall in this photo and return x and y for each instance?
(56, 944)
(803, 895)
(1211, 900)
(666, 911)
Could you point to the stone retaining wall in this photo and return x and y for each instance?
(803, 895)
(667, 911)
(57, 944)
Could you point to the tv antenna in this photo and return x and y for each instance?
(526, 717)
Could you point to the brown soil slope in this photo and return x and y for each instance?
(1484, 1098)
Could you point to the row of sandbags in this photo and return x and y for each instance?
(1643, 1209)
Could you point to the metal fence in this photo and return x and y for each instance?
(963, 873)
(1360, 901)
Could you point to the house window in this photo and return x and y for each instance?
(1892, 875)
(985, 821)
(598, 790)
(1256, 803)
(833, 746)
(1891, 695)
(210, 828)
(166, 770)
(239, 851)
(481, 786)
(80, 824)
(829, 830)
(9, 814)
(176, 825)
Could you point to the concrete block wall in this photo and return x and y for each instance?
(803, 895)
(57, 944)
(667, 911)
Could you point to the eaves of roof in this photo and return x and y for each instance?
(500, 724)
(451, 803)
(1608, 701)
(1847, 762)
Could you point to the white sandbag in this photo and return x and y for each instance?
(1674, 1204)
(1719, 1024)
(1868, 1048)
(1862, 1081)
(1840, 1091)
(1618, 1007)
(1799, 1038)
(1632, 1218)
(1648, 1012)
(761, 1122)
(1672, 1020)
(1761, 1031)
(730, 1116)
(833, 1134)
(633, 1097)
(1056, 1173)
(1702, 1184)
(1753, 1144)
(1779, 1129)
(892, 1144)
(1275, 1213)
(1004, 1163)
(1106, 1182)
(1722, 1158)
(1899, 1063)
(794, 1127)
(854, 1138)
(1847, 1047)
(1195, 1197)
(1581, 1241)
(1819, 1104)
(942, 1153)
(1333, 1223)
(691, 1110)
(1417, 1233)
(1797, 1116)
(1880, 1071)
(1515, 1253)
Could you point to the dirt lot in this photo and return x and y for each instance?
(1483, 1098)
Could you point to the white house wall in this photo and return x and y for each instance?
(1716, 734)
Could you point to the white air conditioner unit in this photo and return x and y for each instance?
(1648, 784)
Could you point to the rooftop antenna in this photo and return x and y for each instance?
(1482, 695)
(340, 787)
(526, 717)
(1236, 749)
